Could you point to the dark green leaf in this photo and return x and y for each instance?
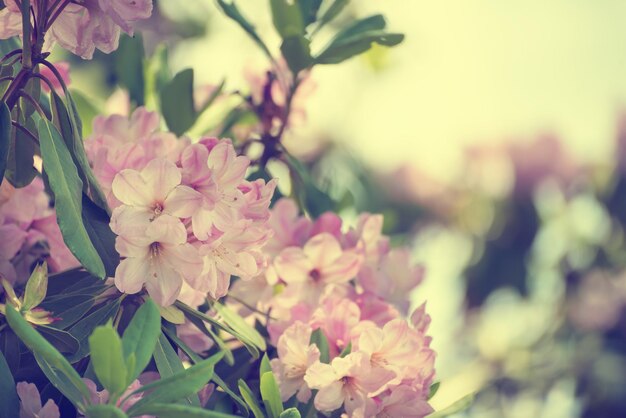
(308, 10)
(290, 413)
(169, 364)
(358, 38)
(129, 67)
(346, 350)
(19, 170)
(61, 340)
(8, 396)
(231, 10)
(433, 389)
(163, 410)
(96, 221)
(83, 328)
(250, 399)
(319, 339)
(199, 323)
(271, 395)
(66, 119)
(69, 382)
(177, 103)
(104, 411)
(108, 359)
(243, 330)
(310, 197)
(297, 53)
(180, 385)
(141, 336)
(67, 186)
(5, 137)
(331, 13)
(287, 18)
(75, 311)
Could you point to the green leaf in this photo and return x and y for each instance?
(67, 186)
(331, 13)
(265, 365)
(241, 327)
(36, 287)
(19, 170)
(433, 389)
(140, 337)
(346, 350)
(129, 67)
(358, 38)
(250, 399)
(271, 395)
(297, 53)
(60, 372)
(104, 411)
(8, 395)
(5, 137)
(61, 340)
(169, 364)
(96, 221)
(87, 110)
(231, 10)
(308, 10)
(319, 339)
(310, 197)
(290, 413)
(108, 359)
(177, 103)
(82, 329)
(65, 118)
(287, 18)
(242, 404)
(198, 320)
(163, 410)
(177, 386)
(458, 406)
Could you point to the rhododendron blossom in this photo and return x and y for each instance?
(30, 403)
(83, 26)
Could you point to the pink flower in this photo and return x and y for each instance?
(320, 262)
(337, 318)
(392, 278)
(12, 240)
(290, 230)
(193, 337)
(102, 397)
(161, 258)
(30, 403)
(403, 401)
(295, 356)
(348, 381)
(155, 191)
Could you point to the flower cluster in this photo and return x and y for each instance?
(80, 26)
(355, 289)
(185, 216)
(30, 233)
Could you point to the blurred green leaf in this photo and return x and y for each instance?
(433, 389)
(310, 197)
(331, 13)
(358, 38)
(297, 53)
(231, 10)
(60, 372)
(308, 10)
(129, 67)
(287, 18)
(19, 169)
(346, 350)
(163, 410)
(5, 137)
(67, 186)
(265, 365)
(140, 337)
(290, 413)
(8, 395)
(177, 103)
(104, 411)
(319, 339)
(240, 326)
(36, 287)
(250, 399)
(108, 359)
(458, 406)
(87, 110)
(177, 386)
(271, 395)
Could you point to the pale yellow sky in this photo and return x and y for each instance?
(469, 71)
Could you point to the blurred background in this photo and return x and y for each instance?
(494, 142)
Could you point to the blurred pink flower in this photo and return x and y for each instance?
(63, 67)
(30, 403)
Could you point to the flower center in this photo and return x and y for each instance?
(315, 275)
